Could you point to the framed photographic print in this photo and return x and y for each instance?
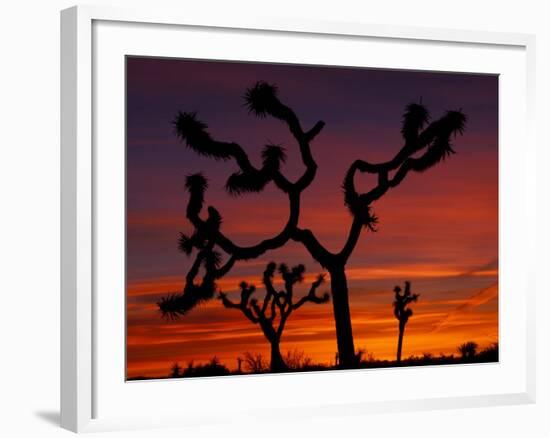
(323, 209)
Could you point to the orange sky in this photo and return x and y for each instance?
(437, 326)
(438, 229)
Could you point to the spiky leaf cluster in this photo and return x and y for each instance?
(352, 201)
(196, 137)
(414, 119)
(453, 122)
(186, 243)
(252, 181)
(212, 261)
(176, 305)
(369, 219)
(261, 99)
(273, 156)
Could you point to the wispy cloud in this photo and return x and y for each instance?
(481, 297)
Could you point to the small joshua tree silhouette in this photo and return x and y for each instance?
(276, 307)
(425, 144)
(402, 312)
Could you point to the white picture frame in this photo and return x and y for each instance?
(85, 373)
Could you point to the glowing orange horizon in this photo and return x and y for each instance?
(437, 327)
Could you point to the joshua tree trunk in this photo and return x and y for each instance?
(277, 362)
(400, 342)
(342, 317)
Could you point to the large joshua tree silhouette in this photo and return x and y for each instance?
(425, 145)
(402, 312)
(276, 307)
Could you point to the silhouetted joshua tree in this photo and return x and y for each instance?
(425, 145)
(468, 350)
(402, 312)
(276, 306)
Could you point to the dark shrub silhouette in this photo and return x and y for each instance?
(276, 306)
(468, 350)
(212, 368)
(424, 146)
(176, 370)
(255, 363)
(297, 360)
(402, 312)
(489, 354)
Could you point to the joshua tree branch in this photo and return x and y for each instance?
(351, 241)
(250, 252)
(435, 139)
(282, 322)
(265, 303)
(257, 310)
(262, 100)
(311, 166)
(227, 302)
(219, 273)
(244, 303)
(313, 132)
(268, 278)
(318, 251)
(195, 134)
(311, 296)
(193, 272)
(274, 305)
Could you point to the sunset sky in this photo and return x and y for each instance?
(438, 229)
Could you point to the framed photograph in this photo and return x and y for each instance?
(335, 214)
